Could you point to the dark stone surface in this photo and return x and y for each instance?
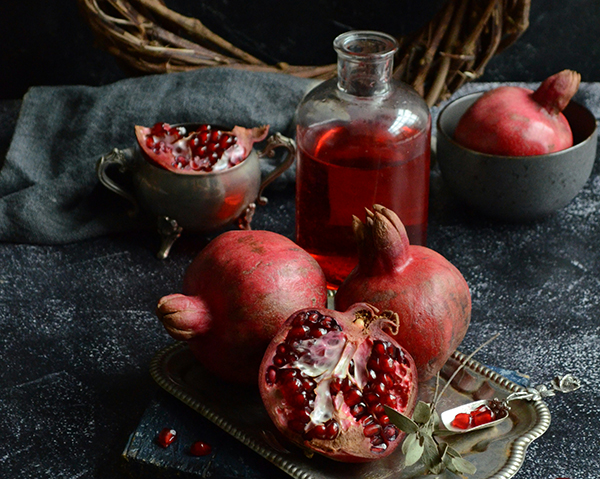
(77, 334)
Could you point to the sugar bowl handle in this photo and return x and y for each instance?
(276, 141)
(122, 159)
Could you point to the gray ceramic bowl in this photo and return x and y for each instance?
(516, 188)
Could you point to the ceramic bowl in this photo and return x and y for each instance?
(516, 188)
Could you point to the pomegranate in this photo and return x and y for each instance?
(326, 377)
(205, 149)
(429, 294)
(237, 292)
(516, 121)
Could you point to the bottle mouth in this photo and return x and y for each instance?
(360, 44)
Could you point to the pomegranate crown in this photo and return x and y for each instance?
(382, 240)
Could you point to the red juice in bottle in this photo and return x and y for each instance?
(362, 139)
(343, 169)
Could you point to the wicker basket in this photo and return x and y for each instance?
(454, 47)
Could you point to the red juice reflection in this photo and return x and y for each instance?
(343, 169)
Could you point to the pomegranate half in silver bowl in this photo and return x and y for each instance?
(194, 177)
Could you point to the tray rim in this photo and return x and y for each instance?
(510, 468)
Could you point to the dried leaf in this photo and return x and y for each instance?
(462, 466)
(401, 421)
(422, 413)
(412, 449)
(431, 453)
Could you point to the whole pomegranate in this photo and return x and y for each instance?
(181, 149)
(516, 121)
(237, 292)
(326, 377)
(429, 294)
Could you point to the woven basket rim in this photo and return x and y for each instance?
(454, 47)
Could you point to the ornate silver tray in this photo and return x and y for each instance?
(498, 452)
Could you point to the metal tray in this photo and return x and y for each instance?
(498, 452)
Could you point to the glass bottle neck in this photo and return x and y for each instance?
(365, 62)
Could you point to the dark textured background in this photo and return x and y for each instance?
(47, 43)
(77, 330)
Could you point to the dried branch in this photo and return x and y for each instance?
(454, 47)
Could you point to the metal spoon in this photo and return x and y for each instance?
(501, 408)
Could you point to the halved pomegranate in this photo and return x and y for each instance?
(326, 377)
(206, 148)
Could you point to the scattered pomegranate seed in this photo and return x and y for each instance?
(200, 448)
(166, 437)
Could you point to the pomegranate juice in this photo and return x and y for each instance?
(344, 169)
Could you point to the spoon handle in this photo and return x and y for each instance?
(563, 384)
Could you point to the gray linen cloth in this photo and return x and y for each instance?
(49, 191)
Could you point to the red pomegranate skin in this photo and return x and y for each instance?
(236, 294)
(429, 294)
(325, 378)
(516, 121)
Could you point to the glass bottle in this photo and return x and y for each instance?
(362, 139)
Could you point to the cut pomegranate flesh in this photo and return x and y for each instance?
(331, 382)
(203, 149)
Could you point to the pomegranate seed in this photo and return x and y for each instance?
(160, 129)
(376, 409)
(200, 448)
(379, 388)
(377, 440)
(296, 425)
(203, 137)
(387, 365)
(282, 349)
(294, 386)
(279, 361)
(271, 375)
(358, 409)
(383, 419)
(379, 448)
(366, 420)
(287, 374)
(298, 332)
(346, 385)
(353, 397)
(166, 437)
(309, 384)
(301, 415)
(372, 429)
(462, 421)
(298, 400)
(212, 148)
(379, 348)
(318, 332)
(390, 432)
(332, 430)
(482, 415)
(373, 363)
(335, 386)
